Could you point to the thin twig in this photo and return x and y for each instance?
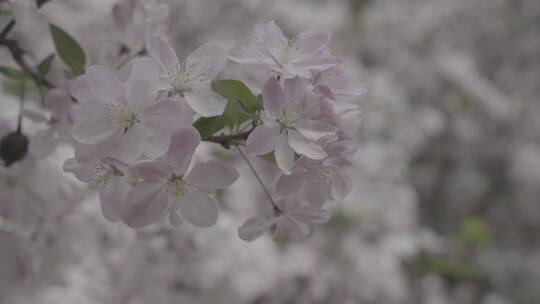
(227, 140)
(275, 207)
(21, 106)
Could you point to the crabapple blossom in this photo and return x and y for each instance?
(135, 22)
(123, 119)
(191, 79)
(287, 125)
(135, 122)
(289, 57)
(109, 176)
(45, 142)
(292, 223)
(320, 180)
(333, 84)
(166, 187)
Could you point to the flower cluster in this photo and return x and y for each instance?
(304, 124)
(136, 121)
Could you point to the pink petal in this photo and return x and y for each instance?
(245, 55)
(311, 42)
(205, 63)
(43, 143)
(140, 92)
(162, 52)
(273, 96)
(314, 129)
(284, 154)
(81, 90)
(145, 204)
(261, 140)
(312, 215)
(165, 115)
(184, 141)
(254, 228)
(290, 184)
(294, 89)
(206, 103)
(212, 175)
(112, 197)
(304, 146)
(292, 228)
(198, 208)
(341, 186)
(146, 67)
(90, 123)
(104, 83)
(271, 36)
(58, 102)
(174, 218)
(153, 170)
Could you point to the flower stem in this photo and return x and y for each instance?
(21, 106)
(275, 207)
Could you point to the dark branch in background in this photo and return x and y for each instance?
(18, 53)
(227, 140)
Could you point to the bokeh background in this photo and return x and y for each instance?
(445, 207)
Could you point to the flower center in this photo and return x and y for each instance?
(120, 116)
(322, 176)
(286, 46)
(178, 78)
(102, 175)
(176, 187)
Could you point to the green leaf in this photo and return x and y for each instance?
(241, 105)
(68, 49)
(474, 231)
(447, 266)
(209, 126)
(11, 73)
(45, 65)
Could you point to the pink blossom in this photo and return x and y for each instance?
(323, 180)
(287, 125)
(333, 84)
(136, 22)
(123, 119)
(45, 141)
(108, 176)
(166, 187)
(293, 223)
(289, 57)
(191, 79)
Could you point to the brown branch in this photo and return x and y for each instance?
(227, 140)
(18, 55)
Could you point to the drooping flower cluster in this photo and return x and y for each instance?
(136, 121)
(308, 122)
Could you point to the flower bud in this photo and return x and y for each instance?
(13, 147)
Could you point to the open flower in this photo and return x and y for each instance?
(123, 119)
(166, 187)
(322, 180)
(45, 142)
(289, 57)
(136, 22)
(108, 176)
(287, 127)
(333, 84)
(293, 223)
(191, 79)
